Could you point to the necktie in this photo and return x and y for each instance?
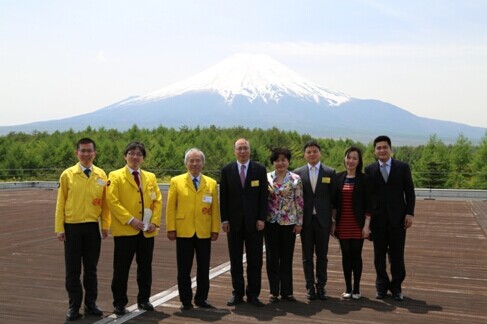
(137, 181)
(195, 183)
(313, 178)
(242, 175)
(87, 172)
(383, 170)
(136, 178)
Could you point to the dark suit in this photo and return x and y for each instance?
(361, 196)
(392, 201)
(242, 207)
(315, 233)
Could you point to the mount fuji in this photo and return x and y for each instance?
(256, 91)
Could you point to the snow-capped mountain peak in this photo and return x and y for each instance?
(252, 76)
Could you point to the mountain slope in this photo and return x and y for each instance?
(256, 91)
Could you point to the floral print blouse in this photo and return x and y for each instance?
(285, 199)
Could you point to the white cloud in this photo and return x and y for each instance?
(368, 51)
(100, 56)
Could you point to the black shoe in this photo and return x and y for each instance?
(146, 306)
(311, 295)
(203, 304)
(289, 298)
(255, 301)
(73, 314)
(273, 299)
(321, 292)
(185, 307)
(120, 310)
(380, 295)
(93, 310)
(398, 297)
(234, 300)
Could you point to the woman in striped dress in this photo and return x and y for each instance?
(351, 218)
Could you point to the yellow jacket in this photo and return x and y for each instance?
(123, 198)
(189, 211)
(81, 199)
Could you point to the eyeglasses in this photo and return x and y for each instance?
(242, 148)
(138, 154)
(86, 151)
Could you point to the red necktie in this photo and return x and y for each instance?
(136, 178)
(137, 181)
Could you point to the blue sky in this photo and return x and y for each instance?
(64, 58)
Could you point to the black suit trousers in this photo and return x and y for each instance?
(82, 247)
(125, 249)
(253, 246)
(389, 240)
(185, 251)
(314, 239)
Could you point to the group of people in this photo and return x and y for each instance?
(252, 206)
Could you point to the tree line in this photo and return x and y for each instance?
(43, 156)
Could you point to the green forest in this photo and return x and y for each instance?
(43, 156)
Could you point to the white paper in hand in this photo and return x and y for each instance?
(147, 218)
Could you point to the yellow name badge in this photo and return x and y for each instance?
(254, 183)
(326, 180)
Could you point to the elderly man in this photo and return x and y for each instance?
(243, 207)
(193, 220)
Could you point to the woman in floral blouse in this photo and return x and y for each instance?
(284, 221)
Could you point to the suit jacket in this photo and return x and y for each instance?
(189, 211)
(81, 199)
(242, 207)
(361, 196)
(123, 198)
(321, 199)
(394, 199)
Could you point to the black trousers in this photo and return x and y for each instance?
(314, 239)
(279, 248)
(352, 263)
(253, 246)
(389, 240)
(185, 251)
(125, 249)
(81, 248)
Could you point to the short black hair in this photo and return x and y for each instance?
(85, 140)
(360, 160)
(311, 143)
(383, 138)
(135, 145)
(276, 152)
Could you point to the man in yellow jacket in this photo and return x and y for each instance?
(80, 206)
(193, 220)
(135, 203)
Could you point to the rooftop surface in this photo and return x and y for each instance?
(446, 282)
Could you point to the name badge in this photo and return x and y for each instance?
(101, 182)
(207, 199)
(326, 180)
(254, 183)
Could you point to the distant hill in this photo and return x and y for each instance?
(256, 91)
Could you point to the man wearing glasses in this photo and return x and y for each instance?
(135, 203)
(243, 209)
(80, 206)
